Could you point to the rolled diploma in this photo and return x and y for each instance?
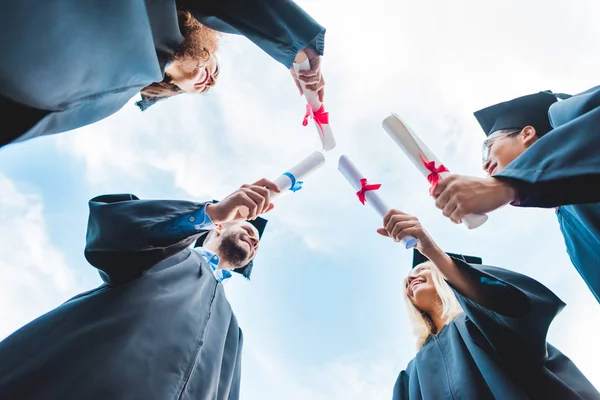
(412, 146)
(353, 176)
(312, 98)
(298, 171)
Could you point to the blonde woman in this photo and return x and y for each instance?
(481, 331)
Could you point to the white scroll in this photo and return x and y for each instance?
(353, 176)
(419, 154)
(312, 98)
(292, 179)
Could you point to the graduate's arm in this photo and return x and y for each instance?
(279, 27)
(558, 192)
(398, 225)
(126, 235)
(563, 166)
(511, 311)
(517, 316)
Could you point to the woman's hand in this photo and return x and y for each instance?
(398, 225)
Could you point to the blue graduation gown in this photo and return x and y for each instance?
(562, 169)
(66, 64)
(159, 328)
(498, 352)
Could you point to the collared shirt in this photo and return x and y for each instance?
(186, 225)
(213, 261)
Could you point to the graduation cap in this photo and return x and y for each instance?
(518, 113)
(419, 258)
(260, 225)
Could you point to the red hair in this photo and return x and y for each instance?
(198, 45)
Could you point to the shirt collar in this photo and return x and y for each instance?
(213, 261)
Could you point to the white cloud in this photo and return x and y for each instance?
(33, 274)
(432, 62)
(354, 376)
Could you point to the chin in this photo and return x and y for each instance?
(199, 89)
(423, 299)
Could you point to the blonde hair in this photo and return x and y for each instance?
(420, 321)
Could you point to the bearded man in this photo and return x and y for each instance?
(160, 327)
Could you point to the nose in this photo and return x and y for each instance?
(486, 165)
(254, 241)
(211, 81)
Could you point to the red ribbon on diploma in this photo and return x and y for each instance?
(434, 177)
(320, 116)
(364, 188)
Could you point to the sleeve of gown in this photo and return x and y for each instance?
(280, 27)
(518, 314)
(563, 166)
(126, 235)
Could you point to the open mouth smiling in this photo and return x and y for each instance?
(414, 284)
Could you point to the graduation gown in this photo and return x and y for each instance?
(159, 328)
(498, 352)
(562, 169)
(66, 64)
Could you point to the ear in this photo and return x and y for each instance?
(529, 136)
(218, 230)
(168, 78)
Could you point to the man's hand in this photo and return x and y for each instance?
(458, 196)
(255, 197)
(398, 225)
(312, 78)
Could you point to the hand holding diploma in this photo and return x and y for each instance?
(309, 76)
(292, 179)
(398, 224)
(458, 195)
(248, 202)
(425, 161)
(366, 193)
(314, 109)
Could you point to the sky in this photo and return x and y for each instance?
(323, 315)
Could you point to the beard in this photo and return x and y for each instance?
(233, 251)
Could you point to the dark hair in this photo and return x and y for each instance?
(198, 45)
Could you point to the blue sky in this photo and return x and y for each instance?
(322, 317)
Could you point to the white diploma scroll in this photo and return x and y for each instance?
(291, 180)
(312, 98)
(353, 176)
(414, 149)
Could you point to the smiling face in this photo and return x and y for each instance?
(503, 146)
(194, 67)
(420, 289)
(430, 301)
(237, 243)
(194, 79)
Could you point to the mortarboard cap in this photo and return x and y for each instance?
(419, 258)
(518, 113)
(260, 225)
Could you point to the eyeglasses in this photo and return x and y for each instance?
(487, 144)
